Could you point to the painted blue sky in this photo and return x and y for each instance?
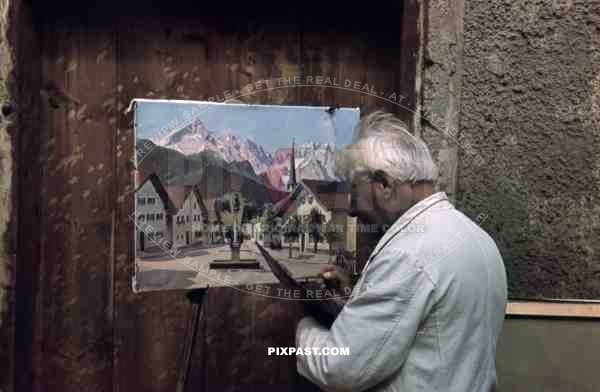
(271, 126)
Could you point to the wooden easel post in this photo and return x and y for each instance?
(196, 298)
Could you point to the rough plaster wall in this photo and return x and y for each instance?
(529, 107)
(440, 77)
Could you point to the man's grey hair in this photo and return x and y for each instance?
(382, 142)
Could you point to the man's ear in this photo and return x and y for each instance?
(382, 191)
(387, 191)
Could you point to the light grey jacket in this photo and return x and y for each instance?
(425, 314)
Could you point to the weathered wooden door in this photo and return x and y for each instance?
(78, 324)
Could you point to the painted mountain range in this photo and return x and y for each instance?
(313, 160)
(196, 138)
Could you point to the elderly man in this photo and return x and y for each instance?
(427, 311)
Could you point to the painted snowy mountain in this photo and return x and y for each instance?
(195, 138)
(313, 160)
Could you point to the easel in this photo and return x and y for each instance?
(196, 298)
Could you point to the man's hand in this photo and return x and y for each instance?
(336, 278)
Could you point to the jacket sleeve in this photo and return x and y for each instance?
(378, 325)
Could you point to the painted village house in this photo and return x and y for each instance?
(173, 214)
(190, 214)
(154, 212)
(190, 223)
(330, 198)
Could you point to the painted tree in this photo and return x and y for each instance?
(292, 231)
(232, 208)
(236, 203)
(269, 224)
(229, 234)
(316, 226)
(302, 230)
(333, 236)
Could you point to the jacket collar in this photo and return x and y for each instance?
(406, 218)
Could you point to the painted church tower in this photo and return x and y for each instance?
(292, 171)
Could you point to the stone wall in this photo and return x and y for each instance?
(440, 83)
(7, 242)
(20, 86)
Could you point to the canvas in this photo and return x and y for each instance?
(213, 179)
